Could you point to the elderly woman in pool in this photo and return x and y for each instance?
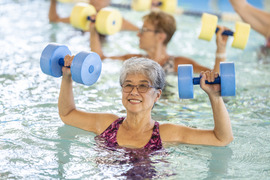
(142, 81)
(157, 30)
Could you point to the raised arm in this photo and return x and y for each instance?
(222, 130)
(66, 99)
(258, 19)
(95, 41)
(94, 122)
(221, 42)
(221, 135)
(53, 16)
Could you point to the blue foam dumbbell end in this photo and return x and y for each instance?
(227, 79)
(86, 68)
(50, 56)
(185, 81)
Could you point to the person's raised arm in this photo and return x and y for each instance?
(95, 42)
(66, 99)
(222, 130)
(221, 41)
(221, 135)
(258, 19)
(94, 122)
(53, 16)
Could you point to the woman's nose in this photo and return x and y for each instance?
(134, 91)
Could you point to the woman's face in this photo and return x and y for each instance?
(148, 36)
(139, 102)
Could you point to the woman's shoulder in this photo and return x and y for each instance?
(166, 126)
(107, 120)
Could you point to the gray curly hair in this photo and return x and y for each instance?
(145, 66)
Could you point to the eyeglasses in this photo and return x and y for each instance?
(144, 29)
(141, 88)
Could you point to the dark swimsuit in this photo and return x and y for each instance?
(109, 135)
(267, 43)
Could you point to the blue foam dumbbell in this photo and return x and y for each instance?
(186, 80)
(85, 67)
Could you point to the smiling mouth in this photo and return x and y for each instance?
(134, 100)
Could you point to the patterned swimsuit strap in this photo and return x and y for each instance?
(267, 44)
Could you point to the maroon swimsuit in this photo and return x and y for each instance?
(109, 135)
(267, 44)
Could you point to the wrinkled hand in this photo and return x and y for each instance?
(210, 89)
(68, 60)
(221, 40)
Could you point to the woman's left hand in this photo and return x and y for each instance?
(210, 89)
(221, 40)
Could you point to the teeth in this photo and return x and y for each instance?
(136, 101)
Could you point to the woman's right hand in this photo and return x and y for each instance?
(68, 60)
(211, 89)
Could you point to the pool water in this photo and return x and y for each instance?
(35, 144)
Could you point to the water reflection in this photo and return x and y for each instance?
(125, 163)
(130, 164)
(108, 162)
(63, 148)
(219, 162)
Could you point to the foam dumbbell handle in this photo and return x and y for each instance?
(197, 80)
(90, 19)
(159, 4)
(186, 82)
(61, 62)
(93, 20)
(226, 32)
